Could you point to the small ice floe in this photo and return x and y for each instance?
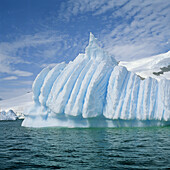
(10, 115)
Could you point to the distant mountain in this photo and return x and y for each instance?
(157, 67)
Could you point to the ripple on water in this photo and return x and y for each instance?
(93, 148)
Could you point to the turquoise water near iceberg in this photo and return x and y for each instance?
(83, 148)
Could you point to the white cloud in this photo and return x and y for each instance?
(8, 58)
(33, 51)
(10, 78)
(22, 73)
(49, 65)
(144, 30)
(76, 7)
(7, 68)
(44, 44)
(137, 28)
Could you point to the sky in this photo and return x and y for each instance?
(38, 33)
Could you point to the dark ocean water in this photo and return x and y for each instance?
(78, 148)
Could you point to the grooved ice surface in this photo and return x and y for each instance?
(93, 90)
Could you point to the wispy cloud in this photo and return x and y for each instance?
(48, 65)
(35, 51)
(77, 7)
(127, 29)
(144, 32)
(10, 78)
(25, 50)
(133, 29)
(8, 58)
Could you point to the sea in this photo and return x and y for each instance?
(83, 148)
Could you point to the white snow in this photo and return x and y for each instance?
(93, 90)
(10, 115)
(146, 66)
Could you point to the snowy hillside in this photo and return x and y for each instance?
(93, 90)
(157, 67)
(17, 104)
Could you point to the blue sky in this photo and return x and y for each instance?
(36, 33)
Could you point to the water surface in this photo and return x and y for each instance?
(88, 148)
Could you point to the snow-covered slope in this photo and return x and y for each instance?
(93, 90)
(17, 104)
(157, 67)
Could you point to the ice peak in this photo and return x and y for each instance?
(92, 39)
(94, 51)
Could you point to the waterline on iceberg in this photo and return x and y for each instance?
(79, 122)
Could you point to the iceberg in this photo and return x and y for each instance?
(94, 91)
(10, 115)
